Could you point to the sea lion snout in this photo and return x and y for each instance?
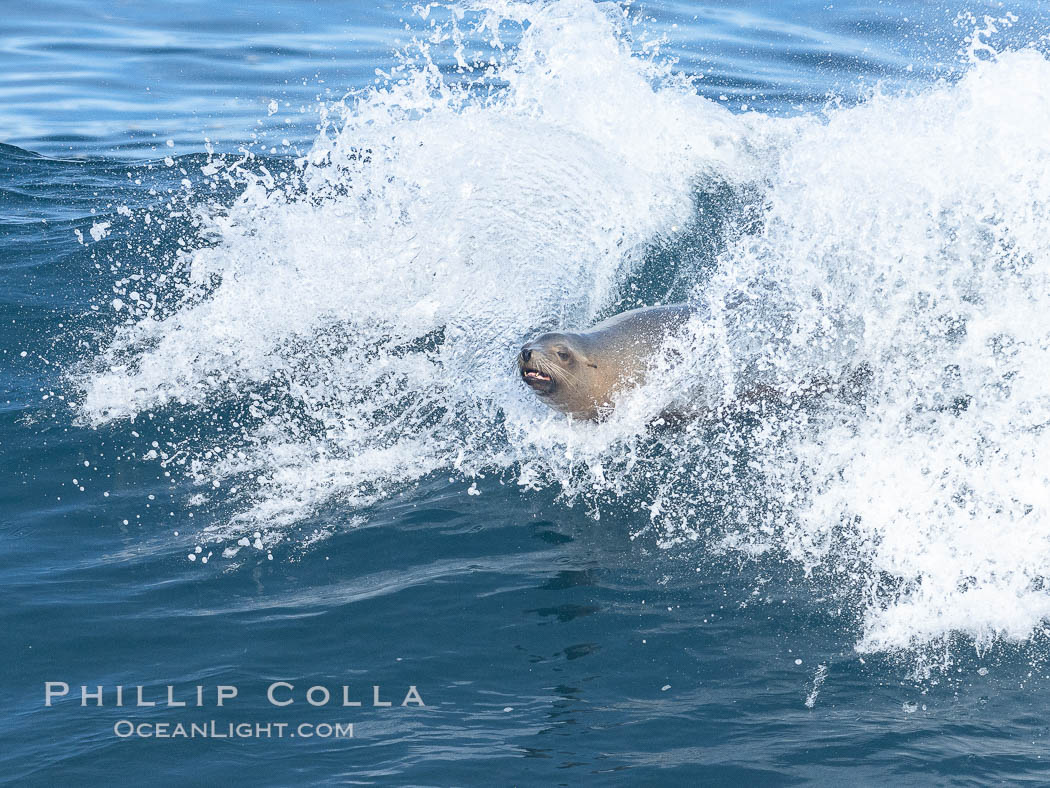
(536, 370)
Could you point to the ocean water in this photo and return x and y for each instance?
(264, 271)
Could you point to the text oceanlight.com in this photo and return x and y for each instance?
(232, 730)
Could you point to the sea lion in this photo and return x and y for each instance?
(580, 372)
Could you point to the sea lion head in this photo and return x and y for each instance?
(583, 373)
(557, 367)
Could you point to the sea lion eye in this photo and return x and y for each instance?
(564, 355)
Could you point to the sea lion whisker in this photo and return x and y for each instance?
(551, 370)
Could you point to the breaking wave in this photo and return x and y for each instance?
(347, 326)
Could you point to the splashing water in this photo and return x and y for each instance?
(360, 314)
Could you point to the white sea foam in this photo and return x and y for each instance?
(365, 313)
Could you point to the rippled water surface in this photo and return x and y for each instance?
(264, 272)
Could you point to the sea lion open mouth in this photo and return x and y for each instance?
(537, 380)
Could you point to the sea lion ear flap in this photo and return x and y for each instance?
(586, 359)
(580, 349)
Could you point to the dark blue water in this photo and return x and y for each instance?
(259, 422)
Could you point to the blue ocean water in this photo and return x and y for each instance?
(264, 271)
